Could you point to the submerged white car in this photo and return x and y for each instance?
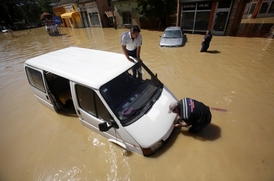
(172, 37)
(100, 89)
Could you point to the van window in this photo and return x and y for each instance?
(35, 79)
(90, 102)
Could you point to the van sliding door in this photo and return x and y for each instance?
(38, 86)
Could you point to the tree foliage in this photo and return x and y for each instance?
(157, 10)
(28, 11)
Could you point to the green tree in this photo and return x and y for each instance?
(25, 11)
(157, 10)
(6, 10)
(46, 5)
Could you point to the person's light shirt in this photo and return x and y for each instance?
(131, 44)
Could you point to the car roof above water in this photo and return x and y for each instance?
(87, 66)
(173, 28)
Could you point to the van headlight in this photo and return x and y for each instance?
(152, 149)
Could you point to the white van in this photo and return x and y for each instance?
(99, 88)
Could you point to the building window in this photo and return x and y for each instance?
(195, 16)
(250, 8)
(188, 20)
(224, 4)
(271, 9)
(201, 22)
(127, 18)
(264, 8)
(220, 21)
(94, 18)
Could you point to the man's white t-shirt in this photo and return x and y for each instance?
(129, 43)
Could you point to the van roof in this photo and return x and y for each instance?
(90, 67)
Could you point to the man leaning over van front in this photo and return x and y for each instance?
(192, 113)
(131, 42)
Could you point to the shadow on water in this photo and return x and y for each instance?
(52, 34)
(168, 144)
(210, 133)
(212, 51)
(161, 151)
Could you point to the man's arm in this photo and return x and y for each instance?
(204, 38)
(126, 54)
(182, 124)
(138, 52)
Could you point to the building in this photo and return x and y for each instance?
(126, 13)
(225, 17)
(259, 9)
(258, 19)
(222, 17)
(83, 13)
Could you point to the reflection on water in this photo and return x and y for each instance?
(236, 74)
(257, 27)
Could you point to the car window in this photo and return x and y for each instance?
(172, 34)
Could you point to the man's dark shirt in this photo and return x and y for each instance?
(194, 112)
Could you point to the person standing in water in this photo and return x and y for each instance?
(206, 41)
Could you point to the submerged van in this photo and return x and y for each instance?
(100, 89)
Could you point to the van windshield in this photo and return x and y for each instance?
(129, 96)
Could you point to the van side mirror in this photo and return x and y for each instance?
(104, 126)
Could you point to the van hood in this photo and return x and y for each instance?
(156, 124)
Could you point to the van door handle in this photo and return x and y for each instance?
(79, 111)
(47, 97)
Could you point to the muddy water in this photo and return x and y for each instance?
(236, 75)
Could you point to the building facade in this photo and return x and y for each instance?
(259, 9)
(90, 14)
(199, 16)
(227, 17)
(222, 17)
(126, 13)
(71, 17)
(83, 13)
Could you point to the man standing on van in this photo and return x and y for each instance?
(191, 113)
(131, 45)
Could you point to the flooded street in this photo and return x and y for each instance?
(237, 74)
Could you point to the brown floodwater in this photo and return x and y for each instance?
(237, 74)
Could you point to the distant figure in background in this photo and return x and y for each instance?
(190, 113)
(206, 41)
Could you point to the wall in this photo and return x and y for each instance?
(103, 6)
(126, 6)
